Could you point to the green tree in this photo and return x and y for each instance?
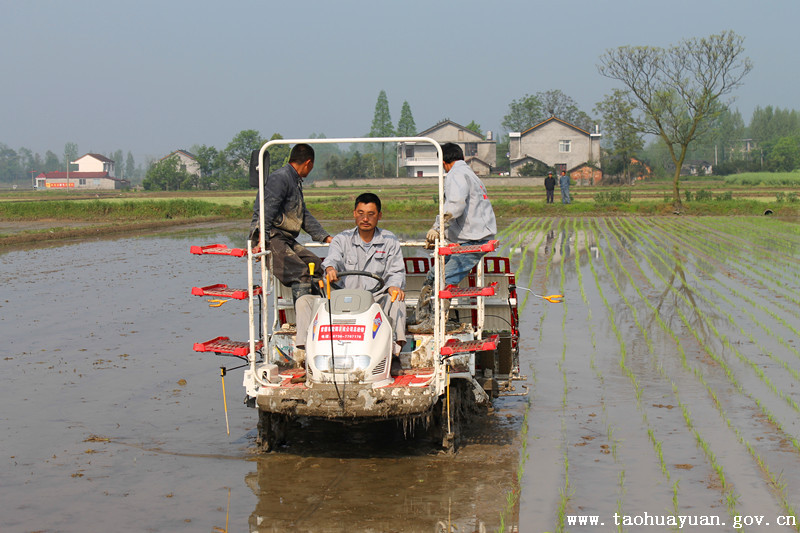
(619, 128)
(382, 125)
(503, 163)
(768, 124)
(166, 175)
(523, 113)
(243, 143)
(119, 167)
(406, 126)
(557, 104)
(728, 132)
(785, 155)
(279, 153)
(130, 167)
(70, 153)
(677, 91)
(9, 164)
(474, 126)
(51, 162)
(322, 154)
(210, 164)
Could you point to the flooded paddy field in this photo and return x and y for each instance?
(666, 385)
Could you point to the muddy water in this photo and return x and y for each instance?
(109, 420)
(666, 385)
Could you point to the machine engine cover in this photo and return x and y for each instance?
(362, 340)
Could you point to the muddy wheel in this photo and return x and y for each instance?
(272, 430)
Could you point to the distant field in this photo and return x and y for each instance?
(744, 194)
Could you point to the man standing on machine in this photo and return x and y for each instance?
(468, 220)
(367, 248)
(285, 214)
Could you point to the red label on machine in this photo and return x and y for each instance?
(341, 332)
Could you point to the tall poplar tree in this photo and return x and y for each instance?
(406, 126)
(382, 124)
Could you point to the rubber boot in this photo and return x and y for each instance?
(424, 309)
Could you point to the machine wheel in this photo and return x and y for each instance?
(449, 440)
(272, 429)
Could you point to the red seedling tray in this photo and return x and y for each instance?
(218, 249)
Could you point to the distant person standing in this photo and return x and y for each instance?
(563, 182)
(549, 186)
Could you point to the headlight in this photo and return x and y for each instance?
(361, 362)
(343, 362)
(322, 362)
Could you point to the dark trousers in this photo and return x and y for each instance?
(550, 196)
(290, 259)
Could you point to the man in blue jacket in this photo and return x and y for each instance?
(285, 214)
(468, 220)
(563, 182)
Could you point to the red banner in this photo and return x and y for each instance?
(341, 332)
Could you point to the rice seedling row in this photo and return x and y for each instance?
(777, 483)
(653, 391)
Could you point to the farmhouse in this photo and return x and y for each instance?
(94, 172)
(420, 159)
(557, 144)
(186, 161)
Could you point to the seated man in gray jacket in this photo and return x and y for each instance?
(372, 249)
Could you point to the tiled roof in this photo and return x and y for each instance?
(564, 122)
(99, 157)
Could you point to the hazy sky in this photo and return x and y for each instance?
(153, 76)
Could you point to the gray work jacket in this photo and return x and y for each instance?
(466, 199)
(381, 256)
(285, 208)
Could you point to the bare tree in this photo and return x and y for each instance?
(678, 90)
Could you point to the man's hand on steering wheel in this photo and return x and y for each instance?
(331, 273)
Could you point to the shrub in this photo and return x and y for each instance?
(703, 195)
(792, 197)
(779, 197)
(612, 196)
(727, 195)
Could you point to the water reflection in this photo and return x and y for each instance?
(561, 244)
(358, 479)
(679, 294)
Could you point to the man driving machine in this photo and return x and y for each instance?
(370, 249)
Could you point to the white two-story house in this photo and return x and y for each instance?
(94, 171)
(420, 160)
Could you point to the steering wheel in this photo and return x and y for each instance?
(366, 274)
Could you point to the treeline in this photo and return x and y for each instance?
(228, 168)
(20, 165)
(769, 142)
